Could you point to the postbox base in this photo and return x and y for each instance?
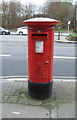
(40, 90)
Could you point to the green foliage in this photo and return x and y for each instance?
(75, 30)
(60, 29)
(72, 37)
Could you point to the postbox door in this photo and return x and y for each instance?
(43, 60)
(40, 57)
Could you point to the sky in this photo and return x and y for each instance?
(36, 2)
(41, 2)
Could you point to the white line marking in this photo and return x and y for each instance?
(55, 79)
(26, 76)
(55, 57)
(64, 80)
(24, 80)
(65, 77)
(17, 113)
(3, 55)
(64, 57)
(7, 77)
(17, 79)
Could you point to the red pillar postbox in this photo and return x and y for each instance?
(40, 56)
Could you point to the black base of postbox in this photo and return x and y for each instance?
(40, 90)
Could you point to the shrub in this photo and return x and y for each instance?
(72, 37)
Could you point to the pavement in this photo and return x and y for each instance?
(16, 103)
(62, 38)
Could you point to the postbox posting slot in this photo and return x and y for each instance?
(44, 36)
(39, 47)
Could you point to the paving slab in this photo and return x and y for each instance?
(65, 91)
(0, 111)
(23, 111)
(15, 99)
(66, 110)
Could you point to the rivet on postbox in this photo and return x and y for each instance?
(40, 50)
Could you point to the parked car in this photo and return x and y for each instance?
(4, 31)
(22, 30)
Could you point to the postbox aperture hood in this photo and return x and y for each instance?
(41, 21)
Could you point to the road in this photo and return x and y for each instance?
(14, 57)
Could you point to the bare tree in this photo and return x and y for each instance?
(28, 10)
(4, 12)
(14, 13)
(11, 12)
(60, 11)
(43, 9)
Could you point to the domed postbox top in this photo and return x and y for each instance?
(41, 21)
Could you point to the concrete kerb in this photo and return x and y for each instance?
(65, 41)
(60, 105)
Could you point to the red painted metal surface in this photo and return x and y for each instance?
(40, 49)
